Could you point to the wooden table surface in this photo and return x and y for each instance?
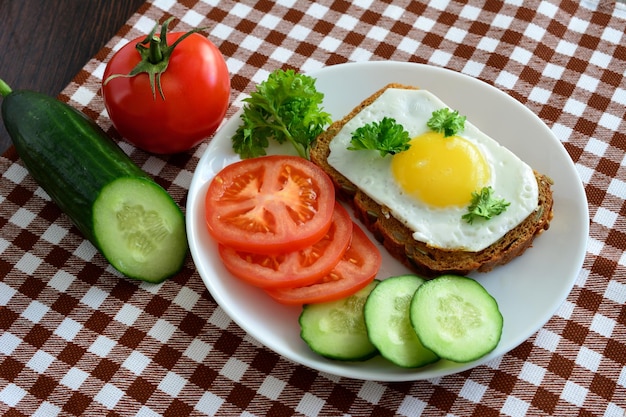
(43, 47)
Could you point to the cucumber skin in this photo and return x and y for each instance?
(67, 154)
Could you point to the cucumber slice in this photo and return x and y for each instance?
(388, 324)
(456, 318)
(139, 229)
(336, 329)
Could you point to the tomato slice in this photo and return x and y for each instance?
(297, 268)
(357, 268)
(270, 204)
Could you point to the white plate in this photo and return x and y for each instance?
(528, 290)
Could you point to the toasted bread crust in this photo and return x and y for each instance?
(423, 259)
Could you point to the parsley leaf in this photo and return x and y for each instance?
(285, 107)
(386, 136)
(484, 205)
(447, 121)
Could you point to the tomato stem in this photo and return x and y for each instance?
(155, 56)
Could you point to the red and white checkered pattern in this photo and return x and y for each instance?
(77, 339)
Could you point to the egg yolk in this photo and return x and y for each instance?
(441, 171)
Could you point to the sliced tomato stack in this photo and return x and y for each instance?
(279, 228)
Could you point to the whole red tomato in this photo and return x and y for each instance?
(168, 106)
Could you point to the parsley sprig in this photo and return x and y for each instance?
(285, 107)
(386, 136)
(484, 205)
(447, 121)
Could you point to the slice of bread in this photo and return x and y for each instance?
(423, 259)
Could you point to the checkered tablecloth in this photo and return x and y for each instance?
(77, 339)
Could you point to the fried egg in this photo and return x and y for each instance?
(429, 186)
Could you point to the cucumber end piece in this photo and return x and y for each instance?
(139, 229)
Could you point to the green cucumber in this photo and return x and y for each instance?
(336, 329)
(128, 217)
(456, 318)
(389, 326)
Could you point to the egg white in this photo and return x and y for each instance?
(511, 178)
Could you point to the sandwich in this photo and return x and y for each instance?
(449, 199)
